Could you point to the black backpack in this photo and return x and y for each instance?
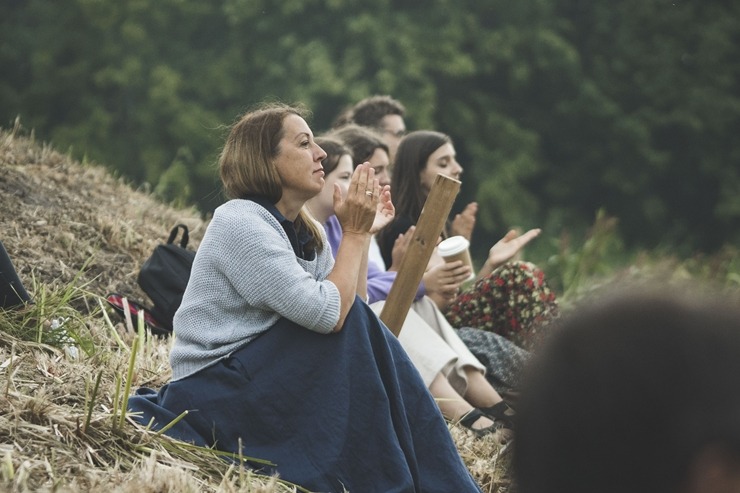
(165, 274)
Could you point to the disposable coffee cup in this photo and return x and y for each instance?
(456, 248)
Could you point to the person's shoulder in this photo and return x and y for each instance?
(242, 220)
(243, 211)
(239, 206)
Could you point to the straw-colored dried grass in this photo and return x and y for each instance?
(76, 233)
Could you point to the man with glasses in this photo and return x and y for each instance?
(385, 115)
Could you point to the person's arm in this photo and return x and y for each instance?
(349, 261)
(334, 235)
(366, 209)
(379, 283)
(441, 281)
(246, 245)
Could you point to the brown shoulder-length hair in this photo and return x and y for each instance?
(361, 141)
(411, 159)
(246, 164)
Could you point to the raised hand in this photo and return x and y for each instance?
(399, 248)
(357, 212)
(508, 246)
(464, 222)
(385, 210)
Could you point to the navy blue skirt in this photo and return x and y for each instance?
(345, 411)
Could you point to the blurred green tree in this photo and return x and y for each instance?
(557, 109)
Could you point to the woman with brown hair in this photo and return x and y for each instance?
(276, 357)
(452, 373)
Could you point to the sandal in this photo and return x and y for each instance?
(501, 413)
(472, 417)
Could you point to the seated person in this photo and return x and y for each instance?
(365, 145)
(502, 358)
(383, 114)
(275, 356)
(510, 298)
(454, 376)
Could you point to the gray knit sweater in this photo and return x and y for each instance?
(244, 278)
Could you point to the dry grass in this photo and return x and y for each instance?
(76, 233)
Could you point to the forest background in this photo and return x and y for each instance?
(562, 111)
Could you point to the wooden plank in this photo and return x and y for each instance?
(431, 223)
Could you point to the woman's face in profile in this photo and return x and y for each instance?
(298, 161)
(443, 162)
(380, 162)
(341, 175)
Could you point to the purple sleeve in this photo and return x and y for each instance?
(379, 281)
(333, 234)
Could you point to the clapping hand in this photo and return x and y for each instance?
(359, 211)
(399, 248)
(464, 222)
(385, 211)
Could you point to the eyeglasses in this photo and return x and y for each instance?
(397, 134)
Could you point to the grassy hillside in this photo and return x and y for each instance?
(75, 233)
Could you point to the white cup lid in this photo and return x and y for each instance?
(452, 246)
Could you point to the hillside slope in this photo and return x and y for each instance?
(58, 216)
(61, 427)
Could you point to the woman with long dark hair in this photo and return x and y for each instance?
(452, 373)
(508, 297)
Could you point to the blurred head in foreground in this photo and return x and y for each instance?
(637, 391)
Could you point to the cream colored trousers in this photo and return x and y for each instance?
(433, 345)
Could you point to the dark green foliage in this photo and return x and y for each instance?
(557, 108)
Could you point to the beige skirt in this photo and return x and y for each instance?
(434, 346)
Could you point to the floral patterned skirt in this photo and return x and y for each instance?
(514, 301)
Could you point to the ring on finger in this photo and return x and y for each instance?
(368, 193)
